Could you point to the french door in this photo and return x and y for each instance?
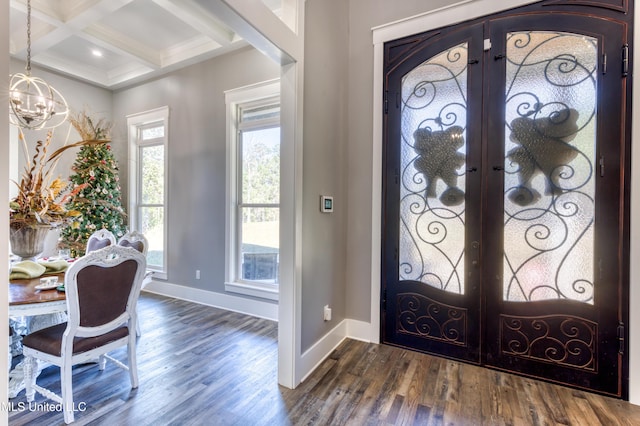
(504, 195)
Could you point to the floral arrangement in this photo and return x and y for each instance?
(42, 197)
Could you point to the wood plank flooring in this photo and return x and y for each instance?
(204, 366)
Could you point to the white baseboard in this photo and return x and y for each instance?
(242, 305)
(312, 357)
(360, 330)
(348, 328)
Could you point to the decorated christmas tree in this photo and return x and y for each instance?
(95, 174)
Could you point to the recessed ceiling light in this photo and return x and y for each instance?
(97, 53)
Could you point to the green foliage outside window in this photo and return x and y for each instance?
(260, 176)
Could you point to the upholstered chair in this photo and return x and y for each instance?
(136, 240)
(102, 293)
(100, 239)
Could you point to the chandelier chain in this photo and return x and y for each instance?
(28, 37)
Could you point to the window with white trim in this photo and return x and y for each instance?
(148, 137)
(253, 190)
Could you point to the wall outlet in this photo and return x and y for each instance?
(197, 274)
(327, 313)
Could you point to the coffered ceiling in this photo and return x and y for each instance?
(115, 43)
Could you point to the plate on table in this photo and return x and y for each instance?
(47, 286)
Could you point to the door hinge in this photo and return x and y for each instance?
(621, 337)
(604, 63)
(397, 176)
(601, 163)
(386, 101)
(384, 300)
(625, 60)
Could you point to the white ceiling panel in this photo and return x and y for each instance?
(78, 50)
(149, 24)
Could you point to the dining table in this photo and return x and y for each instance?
(26, 300)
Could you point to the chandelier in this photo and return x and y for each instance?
(34, 104)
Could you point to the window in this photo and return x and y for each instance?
(148, 135)
(253, 190)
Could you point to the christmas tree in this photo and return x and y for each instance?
(95, 174)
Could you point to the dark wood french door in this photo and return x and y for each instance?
(504, 206)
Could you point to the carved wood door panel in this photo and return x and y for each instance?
(504, 202)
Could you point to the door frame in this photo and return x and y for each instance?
(450, 15)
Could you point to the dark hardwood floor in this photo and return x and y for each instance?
(204, 366)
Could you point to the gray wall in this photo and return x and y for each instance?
(196, 156)
(363, 16)
(324, 253)
(336, 252)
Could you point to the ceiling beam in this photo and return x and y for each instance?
(256, 23)
(263, 23)
(198, 18)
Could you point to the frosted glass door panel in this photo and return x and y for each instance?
(550, 140)
(433, 157)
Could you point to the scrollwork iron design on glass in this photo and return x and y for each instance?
(433, 155)
(555, 339)
(550, 128)
(423, 317)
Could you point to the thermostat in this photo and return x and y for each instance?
(326, 204)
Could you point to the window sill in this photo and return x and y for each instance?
(161, 275)
(263, 291)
